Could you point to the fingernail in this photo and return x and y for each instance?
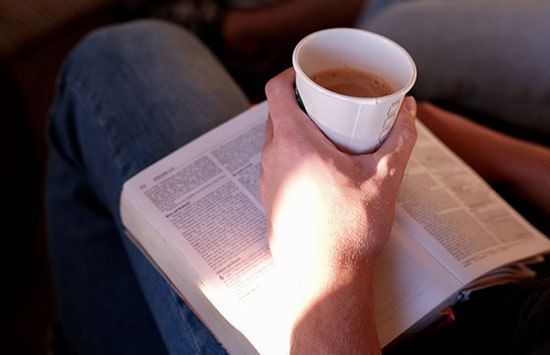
(410, 105)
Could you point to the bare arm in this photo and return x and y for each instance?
(520, 166)
(328, 215)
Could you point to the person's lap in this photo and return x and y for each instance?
(127, 96)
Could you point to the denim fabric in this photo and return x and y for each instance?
(127, 96)
(484, 55)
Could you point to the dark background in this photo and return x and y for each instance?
(35, 36)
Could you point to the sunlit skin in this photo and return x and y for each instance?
(329, 214)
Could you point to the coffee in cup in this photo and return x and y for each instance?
(354, 82)
(356, 121)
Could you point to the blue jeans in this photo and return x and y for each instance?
(127, 96)
(490, 57)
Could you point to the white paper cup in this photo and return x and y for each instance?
(354, 124)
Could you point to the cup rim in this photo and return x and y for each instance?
(355, 99)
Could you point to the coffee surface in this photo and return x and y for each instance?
(352, 82)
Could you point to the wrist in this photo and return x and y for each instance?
(315, 283)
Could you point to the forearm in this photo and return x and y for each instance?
(328, 215)
(520, 166)
(340, 319)
(332, 298)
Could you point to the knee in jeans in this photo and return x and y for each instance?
(99, 68)
(123, 46)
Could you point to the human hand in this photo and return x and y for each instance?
(328, 213)
(331, 208)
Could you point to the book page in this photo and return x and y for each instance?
(207, 194)
(203, 201)
(455, 215)
(409, 283)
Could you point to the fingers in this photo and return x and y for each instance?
(392, 157)
(400, 142)
(287, 117)
(280, 89)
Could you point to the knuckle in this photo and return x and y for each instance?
(272, 86)
(390, 170)
(383, 168)
(284, 141)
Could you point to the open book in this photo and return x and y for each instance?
(197, 215)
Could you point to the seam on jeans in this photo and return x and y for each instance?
(458, 89)
(55, 144)
(91, 104)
